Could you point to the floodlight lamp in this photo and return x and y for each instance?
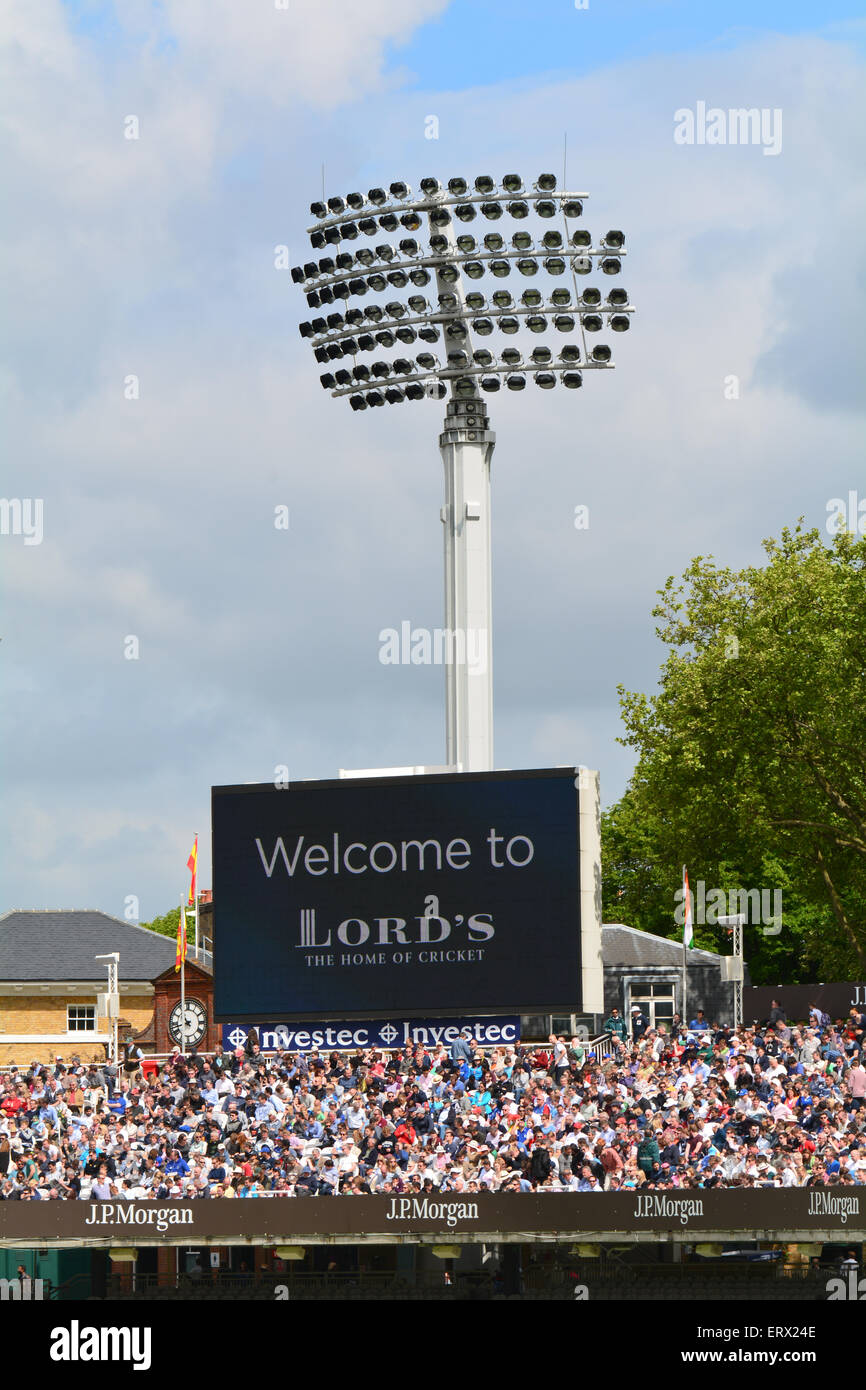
(419, 277)
(620, 323)
(456, 330)
(426, 361)
(541, 356)
(398, 278)
(328, 380)
(298, 276)
(439, 244)
(375, 398)
(450, 274)
(464, 387)
(376, 283)
(601, 353)
(502, 299)
(490, 383)
(385, 252)
(369, 226)
(512, 357)
(389, 222)
(570, 353)
(414, 391)
(394, 309)
(430, 186)
(374, 313)
(377, 196)
(572, 207)
(385, 338)
(313, 299)
(394, 395)
(457, 187)
(482, 358)
(592, 323)
(581, 265)
(440, 217)
(335, 321)
(409, 246)
(618, 296)
(560, 298)
(483, 327)
(581, 237)
(545, 380)
(448, 303)
(554, 265)
(590, 297)
(517, 382)
(310, 269)
(484, 184)
(474, 269)
(475, 301)
(458, 361)
(500, 269)
(349, 346)
(357, 403)
(332, 236)
(366, 342)
(319, 325)
(349, 231)
(361, 372)
(527, 265)
(327, 265)
(381, 369)
(519, 208)
(512, 183)
(318, 210)
(521, 241)
(326, 295)
(545, 207)
(493, 211)
(546, 183)
(465, 212)
(466, 242)
(355, 201)
(400, 190)
(342, 377)
(321, 354)
(417, 303)
(406, 335)
(564, 323)
(572, 380)
(306, 330)
(493, 242)
(437, 390)
(552, 240)
(530, 299)
(354, 316)
(336, 206)
(615, 241)
(317, 240)
(402, 366)
(536, 323)
(410, 220)
(611, 265)
(509, 325)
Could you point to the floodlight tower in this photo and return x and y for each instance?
(466, 442)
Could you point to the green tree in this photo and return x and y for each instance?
(751, 756)
(167, 925)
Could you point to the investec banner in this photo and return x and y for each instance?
(449, 894)
(387, 1033)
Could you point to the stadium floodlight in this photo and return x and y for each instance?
(455, 314)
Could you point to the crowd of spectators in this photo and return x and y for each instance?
(692, 1105)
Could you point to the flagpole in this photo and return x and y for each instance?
(196, 897)
(183, 972)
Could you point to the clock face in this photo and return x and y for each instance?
(189, 1025)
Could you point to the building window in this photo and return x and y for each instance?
(80, 1018)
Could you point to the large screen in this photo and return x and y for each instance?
(446, 894)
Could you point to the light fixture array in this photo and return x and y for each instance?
(452, 313)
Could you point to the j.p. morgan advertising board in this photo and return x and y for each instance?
(443, 894)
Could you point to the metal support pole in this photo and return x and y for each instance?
(738, 983)
(466, 445)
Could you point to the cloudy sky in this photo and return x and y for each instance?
(154, 258)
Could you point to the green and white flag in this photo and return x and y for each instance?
(688, 930)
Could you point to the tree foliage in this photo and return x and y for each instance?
(752, 758)
(167, 925)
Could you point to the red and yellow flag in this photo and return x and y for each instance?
(180, 954)
(192, 865)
